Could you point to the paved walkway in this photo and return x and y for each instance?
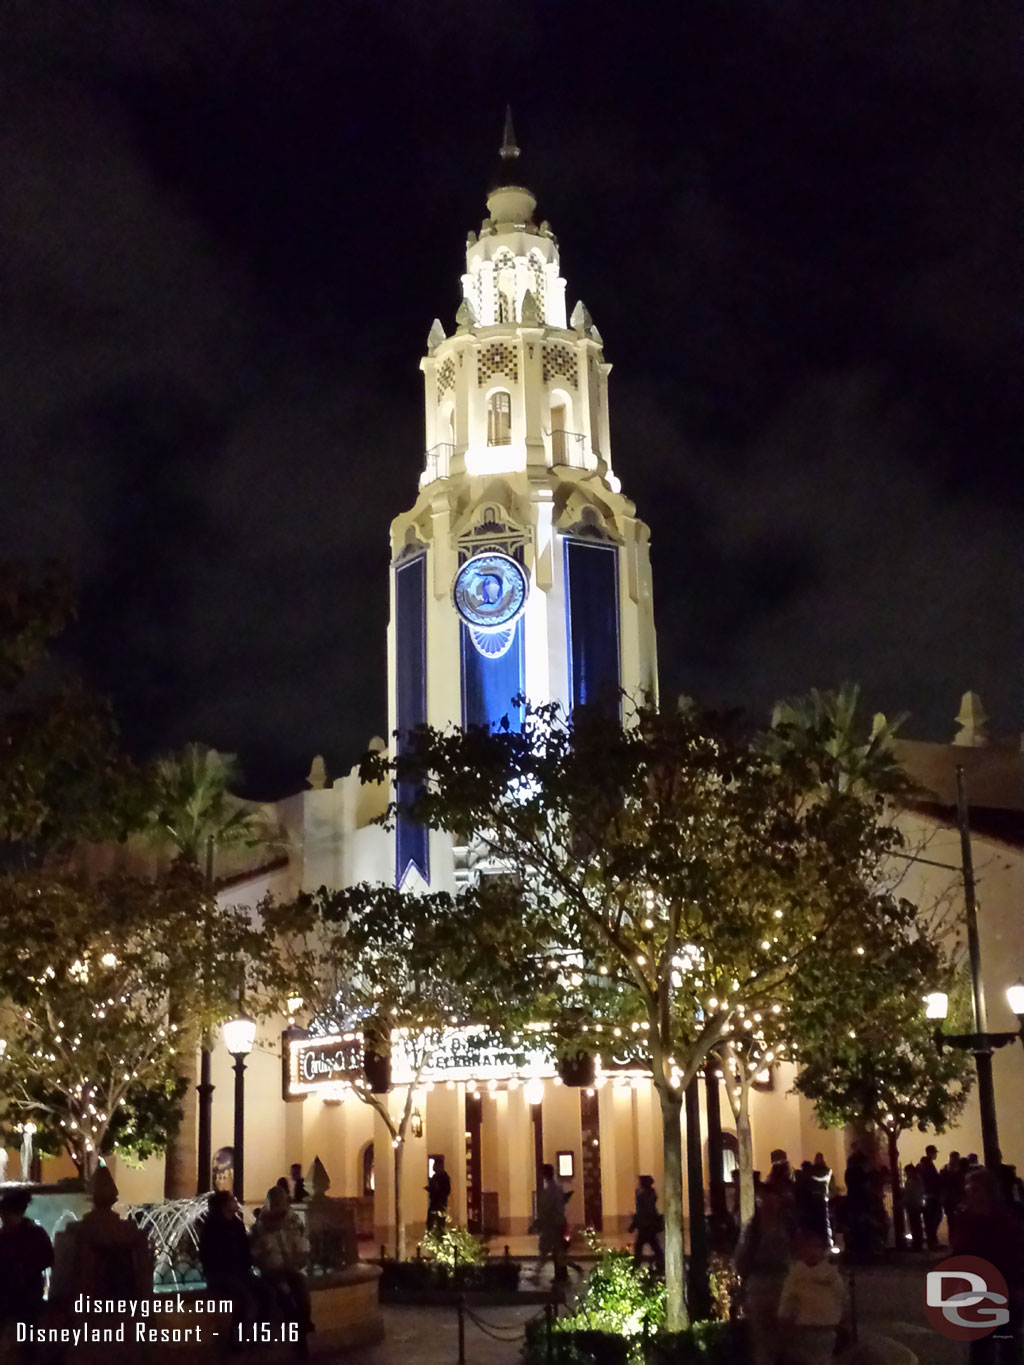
(890, 1301)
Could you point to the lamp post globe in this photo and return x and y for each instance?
(1015, 998)
(533, 1090)
(936, 1005)
(239, 1036)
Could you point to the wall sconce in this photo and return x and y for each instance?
(416, 1123)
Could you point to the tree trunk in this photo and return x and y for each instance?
(672, 1138)
(399, 1152)
(899, 1226)
(180, 1158)
(745, 1156)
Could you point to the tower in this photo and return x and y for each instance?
(521, 568)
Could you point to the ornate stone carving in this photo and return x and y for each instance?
(435, 336)
(531, 315)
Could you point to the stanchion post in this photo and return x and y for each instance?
(462, 1330)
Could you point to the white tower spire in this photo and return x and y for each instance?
(521, 568)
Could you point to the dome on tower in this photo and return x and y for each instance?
(509, 201)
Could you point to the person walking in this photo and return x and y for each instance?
(439, 1189)
(280, 1250)
(762, 1262)
(857, 1215)
(932, 1182)
(813, 1302)
(26, 1253)
(913, 1206)
(551, 1224)
(821, 1184)
(647, 1224)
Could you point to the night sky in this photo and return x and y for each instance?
(226, 228)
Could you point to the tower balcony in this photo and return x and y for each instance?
(570, 448)
(437, 463)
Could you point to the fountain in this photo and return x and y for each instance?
(173, 1231)
(27, 1129)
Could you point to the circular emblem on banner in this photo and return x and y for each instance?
(490, 591)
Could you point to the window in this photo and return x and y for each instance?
(499, 419)
(504, 307)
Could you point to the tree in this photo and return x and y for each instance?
(92, 1055)
(683, 864)
(887, 1076)
(864, 762)
(393, 966)
(63, 778)
(192, 811)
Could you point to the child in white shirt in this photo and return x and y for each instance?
(813, 1303)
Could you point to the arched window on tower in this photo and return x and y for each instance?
(499, 418)
(504, 307)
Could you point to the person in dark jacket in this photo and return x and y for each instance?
(439, 1189)
(226, 1258)
(26, 1253)
(299, 1195)
(986, 1227)
(931, 1179)
(647, 1224)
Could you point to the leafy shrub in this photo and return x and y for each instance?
(725, 1288)
(452, 1245)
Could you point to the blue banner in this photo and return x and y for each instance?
(592, 608)
(411, 840)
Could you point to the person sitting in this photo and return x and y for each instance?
(225, 1257)
(280, 1250)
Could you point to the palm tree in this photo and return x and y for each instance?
(193, 811)
(863, 761)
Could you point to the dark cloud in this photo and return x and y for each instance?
(227, 228)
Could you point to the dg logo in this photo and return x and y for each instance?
(965, 1298)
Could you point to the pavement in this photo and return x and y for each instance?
(889, 1301)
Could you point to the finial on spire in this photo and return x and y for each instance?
(509, 147)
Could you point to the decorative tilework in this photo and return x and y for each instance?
(496, 359)
(561, 360)
(445, 377)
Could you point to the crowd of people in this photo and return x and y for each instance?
(262, 1270)
(793, 1296)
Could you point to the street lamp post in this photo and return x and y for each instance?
(982, 1044)
(239, 1036)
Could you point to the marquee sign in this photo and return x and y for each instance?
(326, 1064)
(317, 1063)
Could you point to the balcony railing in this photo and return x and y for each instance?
(569, 447)
(501, 438)
(438, 463)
